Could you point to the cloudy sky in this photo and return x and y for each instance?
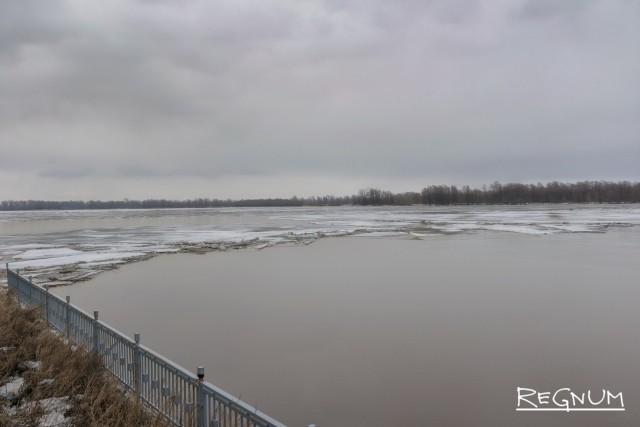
(270, 98)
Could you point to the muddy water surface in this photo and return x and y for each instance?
(361, 331)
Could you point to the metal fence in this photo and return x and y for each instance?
(183, 398)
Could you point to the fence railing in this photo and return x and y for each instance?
(183, 398)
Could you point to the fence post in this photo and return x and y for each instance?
(96, 344)
(137, 365)
(31, 291)
(46, 302)
(18, 285)
(201, 397)
(67, 316)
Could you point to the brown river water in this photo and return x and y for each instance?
(394, 331)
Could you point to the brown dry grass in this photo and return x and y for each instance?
(95, 398)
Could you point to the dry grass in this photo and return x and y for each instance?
(94, 397)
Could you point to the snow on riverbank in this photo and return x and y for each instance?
(53, 409)
(45, 381)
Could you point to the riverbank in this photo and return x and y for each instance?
(45, 381)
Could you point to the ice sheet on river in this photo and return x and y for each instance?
(61, 247)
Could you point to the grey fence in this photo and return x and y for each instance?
(183, 398)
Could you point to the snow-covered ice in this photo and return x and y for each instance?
(46, 253)
(80, 257)
(65, 246)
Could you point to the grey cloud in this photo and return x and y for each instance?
(70, 172)
(160, 91)
(548, 9)
(31, 22)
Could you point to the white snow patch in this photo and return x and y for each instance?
(30, 364)
(11, 388)
(415, 234)
(573, 228)
(382, 234)
(76, 259)
(513, 228)
(55, 408)
(47, 253)
(29, 246)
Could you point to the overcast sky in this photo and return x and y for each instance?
(270, 98)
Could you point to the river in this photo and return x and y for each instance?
(405, 317)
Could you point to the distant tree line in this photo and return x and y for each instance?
(496, 193)
(552, 192)
(13, 205)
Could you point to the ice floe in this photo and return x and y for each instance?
(62, 247)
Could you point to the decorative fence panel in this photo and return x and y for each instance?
(182, 398)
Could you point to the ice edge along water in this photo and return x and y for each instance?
(77, 253)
